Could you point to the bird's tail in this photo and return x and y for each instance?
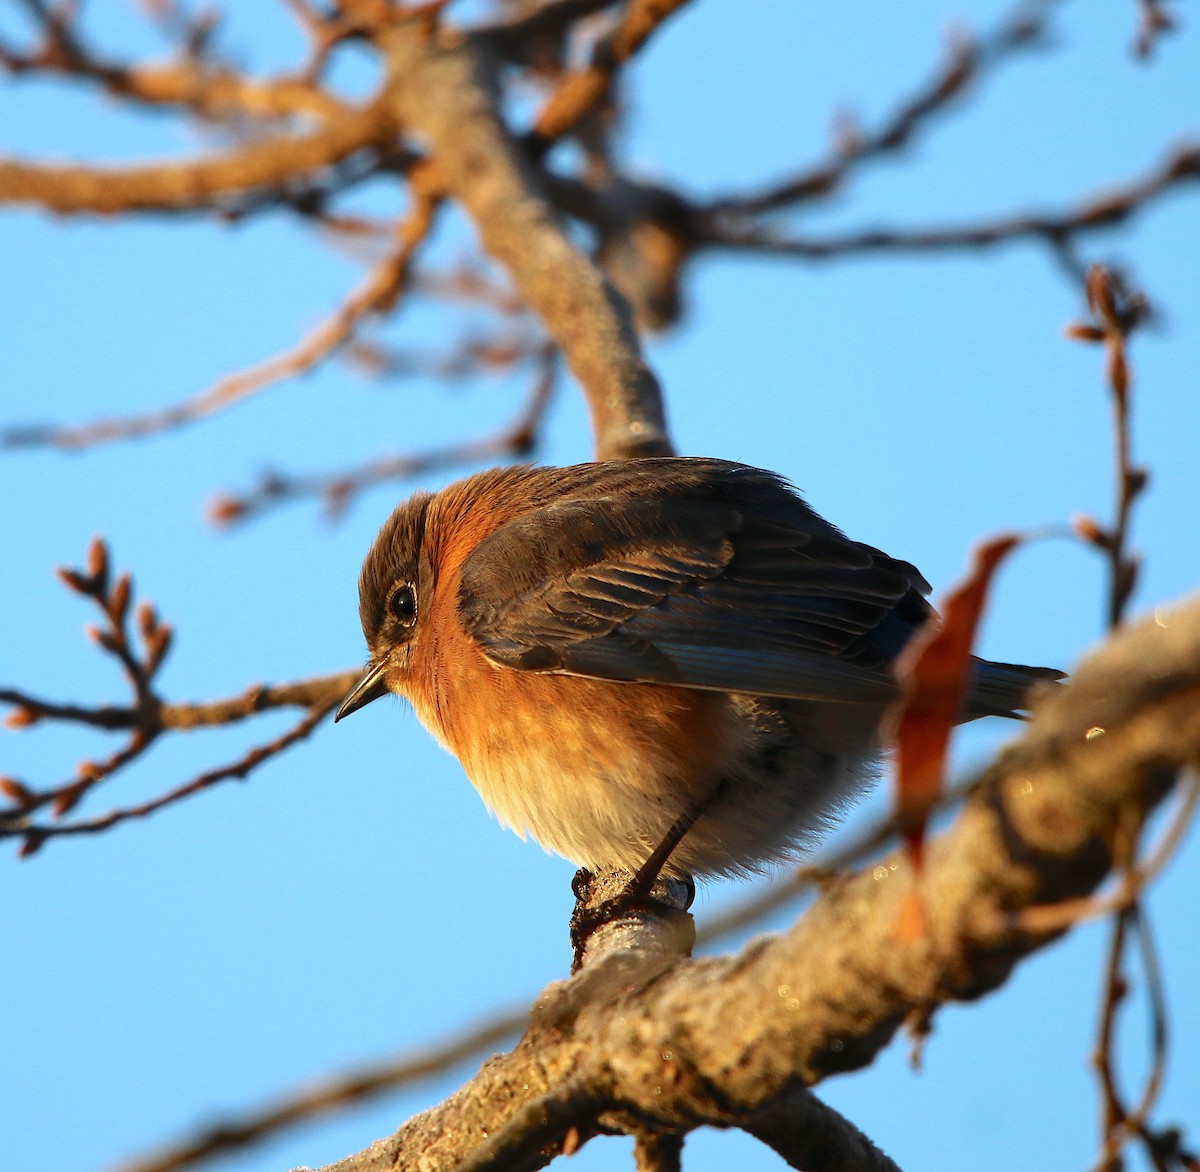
(1002, 689)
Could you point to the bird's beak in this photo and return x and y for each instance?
(370, 687)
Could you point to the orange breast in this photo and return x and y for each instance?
(580, 764)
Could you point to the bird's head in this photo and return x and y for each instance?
(396, 581)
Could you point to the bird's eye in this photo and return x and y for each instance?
(403, 604)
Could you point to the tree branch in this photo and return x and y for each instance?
(34, 836)
(810, 1135)
(339, 489)
(553, 18)
(216, 93)
(383, 287)
(145, 718)
(657, 1152)
(581, 91)
(1101, 211)
(719, 1041)
(445, 89)
(364, 1083)
(368, 1082)
(191, 184)
(967, 60)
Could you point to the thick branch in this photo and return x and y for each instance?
(809, 1134)
(725, 1041)
(193, 183)
(445, 90)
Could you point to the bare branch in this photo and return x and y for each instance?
(657, 1152)
(145, 722)
(552, 18)
(378, 294)
(810, 1135)
(336, 1094)
(188, 185)
(445, 88)
(1117, 313)
(827, 995)
(145, 718)
(471, 357)
(966, 62)
(582, 91)
(1153, 23)
(363, 1084)
(214, 92)
(520, 1144)
(340, 489)
(1159, 1031)
(254, 700)
(1101, 211)
(34, 836)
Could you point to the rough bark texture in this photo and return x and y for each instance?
(731, 1041)
(444, 90)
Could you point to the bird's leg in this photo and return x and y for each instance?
(647, 874)
(637, 895)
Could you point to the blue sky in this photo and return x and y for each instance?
(354, 898)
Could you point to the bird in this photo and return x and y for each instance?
(667, 666)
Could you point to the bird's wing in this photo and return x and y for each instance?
(709, 592)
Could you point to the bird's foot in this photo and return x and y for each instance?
(614, 897)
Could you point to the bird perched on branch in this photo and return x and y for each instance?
(660, 665)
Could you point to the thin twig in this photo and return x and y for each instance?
(336, 1094)
(550, 19)
(1102, 211)
(472, 356)
(470, 283)
(145, 718)
(190, 33)
(145, 723)
(213, 92)
(181, 716)
(377, 294)
(339, 489)
(1153, 22)
(967, 60)
(1116, 313)
(35, 835)
(581, 91)
(140, 661)
(1115, 990)
(1159, 1030)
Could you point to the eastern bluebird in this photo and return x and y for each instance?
(655, 664)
